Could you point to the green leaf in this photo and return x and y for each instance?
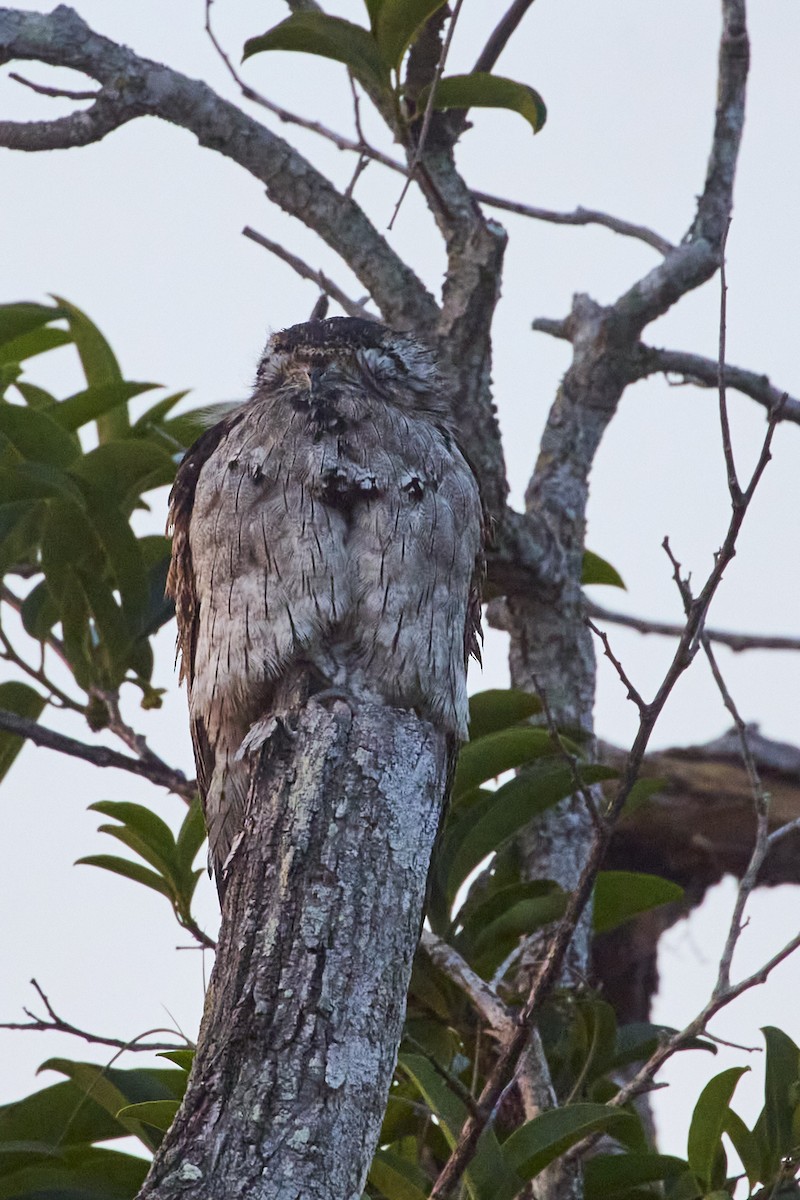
(99, 366)
(129, 870)
(498, 938)
(39, 613)
(181, 1058)
(79, 1173)
(637, 1041)
(397, 1178)
(36, 435)
(607, 1176)
(34, 396)
(488, 1177)
(28, 345)
(328, 37)
(35, 480)
(620, 895)
(124, 557)
(709, 1120)
(158, 1113)
(153, 832)
(191, 836)
(490, 756)
(94, 402)
(101, 1087)
(597, 570)
(540, 1141)
(499, 708)
(20, 525)
(479, 89)
(641, 792)
(503, 813)
(25, 702)
(774, 1129)
(746, 1146)
(396, 24)
(154, 416)
(120, 471)
(184, 430)
(18, 319)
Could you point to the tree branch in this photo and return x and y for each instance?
(737, 642)
(353, 308)
(56, 1024)
(580, 216)
(133, 86)
(499, 37)
(704, 372)
(99, 756)
(483, 997)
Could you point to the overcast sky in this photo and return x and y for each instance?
(142, 231)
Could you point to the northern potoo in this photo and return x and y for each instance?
(326, 534)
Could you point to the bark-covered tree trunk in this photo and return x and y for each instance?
(306, 1002)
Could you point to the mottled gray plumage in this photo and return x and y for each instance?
(328, 532)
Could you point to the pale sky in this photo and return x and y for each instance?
(142, 231)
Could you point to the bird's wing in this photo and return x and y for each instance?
(181, 578)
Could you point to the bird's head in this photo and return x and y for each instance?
(397, 366)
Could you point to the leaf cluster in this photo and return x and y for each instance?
(374, 56)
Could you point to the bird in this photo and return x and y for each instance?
(328, 533)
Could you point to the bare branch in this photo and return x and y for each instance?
(354, 308)
(99, 756)
(727, 445)
(783, 831)
(41, 90)
(53, 1023)
(133, 86)
(483, 997)
(499, 37)
(697, 258)
(737, 642)
(642, 1080)
(704, 372)
(580, 216)
(633, 694)
(9, 654)
(761, 844)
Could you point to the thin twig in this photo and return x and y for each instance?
(426, 119)
(500, 35)
(642, 1080)
(38, 673)
(727, 445)
(737, 642)
(40, 88)
(99, 756)
(633, 694)
(127, 735)
(57, 1024)
(783, 831)
(187, 922)
(355, 308)
(452, 1081)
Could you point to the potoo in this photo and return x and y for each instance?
(327, 539)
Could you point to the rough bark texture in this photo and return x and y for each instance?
(306, 1002)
